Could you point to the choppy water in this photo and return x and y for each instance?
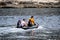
(47, 18)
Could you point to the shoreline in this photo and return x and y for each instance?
(29, 5)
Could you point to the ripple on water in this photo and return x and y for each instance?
(47, 27)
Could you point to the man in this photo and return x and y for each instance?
(18, 24)
(23, 23)
(31, 21)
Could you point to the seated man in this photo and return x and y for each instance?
(18, 24)
(31, 21)
(23, 23)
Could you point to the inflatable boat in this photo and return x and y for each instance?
(29, 27)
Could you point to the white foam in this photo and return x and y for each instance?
(10, 30)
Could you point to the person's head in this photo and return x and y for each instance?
(31, 16)
(19, 21)
(29, 20)
(23, 19)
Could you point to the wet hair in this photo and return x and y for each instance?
(19, 20)
(23, 19)
(31, 16)
(29, 20)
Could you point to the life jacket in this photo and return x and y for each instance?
(32, 20)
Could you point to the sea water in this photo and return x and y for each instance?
(47, 18)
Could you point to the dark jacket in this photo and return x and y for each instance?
(18, 23)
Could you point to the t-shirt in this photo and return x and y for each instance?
(23, 23)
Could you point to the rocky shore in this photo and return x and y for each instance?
(28, 5)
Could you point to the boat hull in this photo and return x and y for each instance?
(32, 27)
